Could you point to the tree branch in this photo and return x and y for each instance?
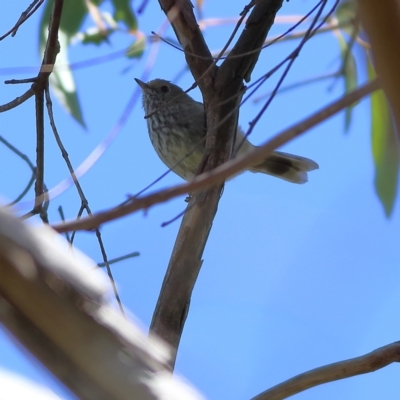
(55, 305)
(370, 362)
(222, 89)
(173, 303)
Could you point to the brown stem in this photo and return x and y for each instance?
(184, 266)
(222, 91)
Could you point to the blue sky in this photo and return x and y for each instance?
(294, 276)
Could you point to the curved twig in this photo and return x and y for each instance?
(30, 164)
(16, 102)
(370, 362)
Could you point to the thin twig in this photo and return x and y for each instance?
(142, 6)
(108, 269)
(24, 16)
(78, 217)
(84, 201)
(120, 53)
(311, 30)
(62, 216)
(299, 84)
(17, 81)
(119, 259)
(166, 223)
(284, 36)
(18, 101)
(30, 164)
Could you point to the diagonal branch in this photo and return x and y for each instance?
(370, 362)
(32, 8)
(231, 168)
(186, 260)
(84, 201)
(55, 305)
(17, 101)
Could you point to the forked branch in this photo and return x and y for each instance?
(222, 90)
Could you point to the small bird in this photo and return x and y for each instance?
(176, 125)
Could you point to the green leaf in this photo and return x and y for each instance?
(349, 71)
(124, 12)
(73, 16)
(385, 148)
(63, 84)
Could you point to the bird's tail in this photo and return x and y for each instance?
(286, 166)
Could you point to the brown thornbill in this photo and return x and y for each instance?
(177, 132)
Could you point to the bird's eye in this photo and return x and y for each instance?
(165, 89)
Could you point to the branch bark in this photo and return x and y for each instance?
(370, 362)
(54, 303)
(222, 89)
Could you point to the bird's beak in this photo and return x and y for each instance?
(143, 85)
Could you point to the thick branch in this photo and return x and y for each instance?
(221, 96)
(222, 91)
(54, 303)
(173, 303)
(370, 362)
